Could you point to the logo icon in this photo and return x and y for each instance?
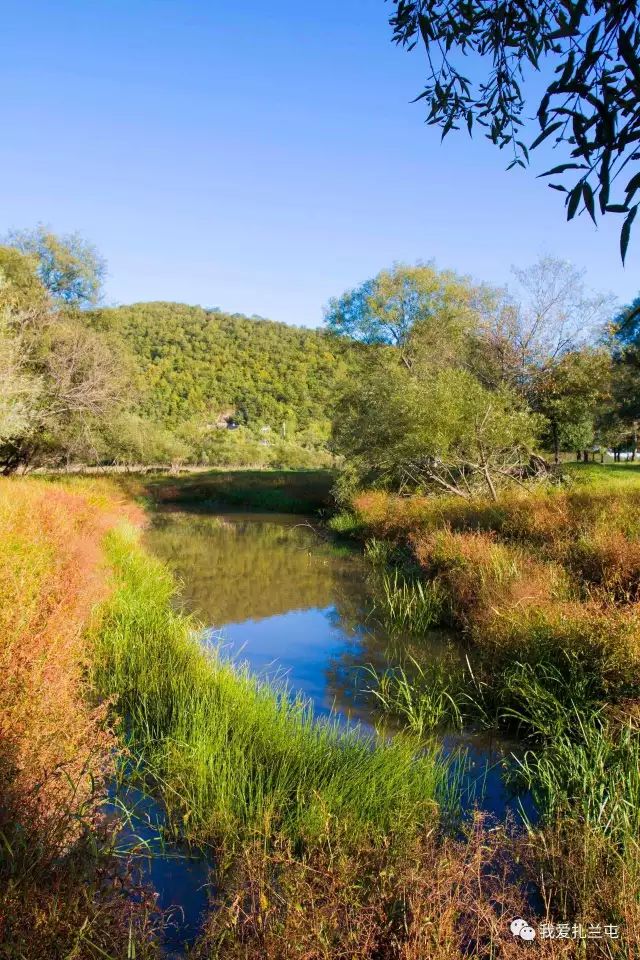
(520, 928)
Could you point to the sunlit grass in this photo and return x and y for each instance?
(231, 755)
(410, 605)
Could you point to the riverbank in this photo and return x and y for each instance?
(544, 588)
(285, 491)
(58, 890)
(325, 844)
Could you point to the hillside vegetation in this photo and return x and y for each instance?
(197, 366)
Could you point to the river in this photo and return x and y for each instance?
(273, 591)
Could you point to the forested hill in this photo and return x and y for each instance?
(200, 363)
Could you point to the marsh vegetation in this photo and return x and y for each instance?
(384, 731)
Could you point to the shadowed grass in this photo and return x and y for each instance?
(285, 491)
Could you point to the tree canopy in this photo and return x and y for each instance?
(412, 308)
(70, 267)
(197, 363)
(61, 380)
(589, 108)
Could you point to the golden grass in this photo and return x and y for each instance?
(55, 749)
(542, 572)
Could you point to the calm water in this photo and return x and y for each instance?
(275, 593)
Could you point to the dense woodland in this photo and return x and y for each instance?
(151, 383)
(420, 378)
(197, 366)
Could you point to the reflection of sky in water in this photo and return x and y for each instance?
(295, 647)
(274, 594)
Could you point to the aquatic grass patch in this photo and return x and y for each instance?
(407, 604)
(582, 761)
(378, 552)
(344, 524)
(421, 696)
(583, 770)
(231, 755)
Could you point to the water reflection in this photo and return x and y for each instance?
(298, 608)
(238, 566)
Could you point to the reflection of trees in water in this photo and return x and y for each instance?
(238, 567)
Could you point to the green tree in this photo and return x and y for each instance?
(20, 287)
(443, 432)
(70, 268)
(590, 110)
(61, 380)
(20, 389)
(570, 394)
(417, 309)
(622, 419)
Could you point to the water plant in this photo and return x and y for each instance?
(420, 695)
(232, 755)
(406, 604)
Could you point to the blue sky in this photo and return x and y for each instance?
(258, 157)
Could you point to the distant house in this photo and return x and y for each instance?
(226, 421)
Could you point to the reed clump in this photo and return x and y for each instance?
(405, 603)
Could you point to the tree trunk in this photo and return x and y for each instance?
(578, 455)
(556, 444)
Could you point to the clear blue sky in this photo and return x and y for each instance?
(258, 157)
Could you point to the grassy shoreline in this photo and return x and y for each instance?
(285, 491)
(544, 588)
(233, 756)
(326, 845)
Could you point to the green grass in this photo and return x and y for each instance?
(284, 491)
(406, 604)
(604, 476)
(344, 524)
(419, 695)
(230, 755)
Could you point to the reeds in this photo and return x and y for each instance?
(421, 696)
(409, 605)
(231, 755)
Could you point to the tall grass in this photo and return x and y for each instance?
(62, 894)
(421, 696)
(583, 763)
(409, 605)
(583, 769)
(231, 755)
